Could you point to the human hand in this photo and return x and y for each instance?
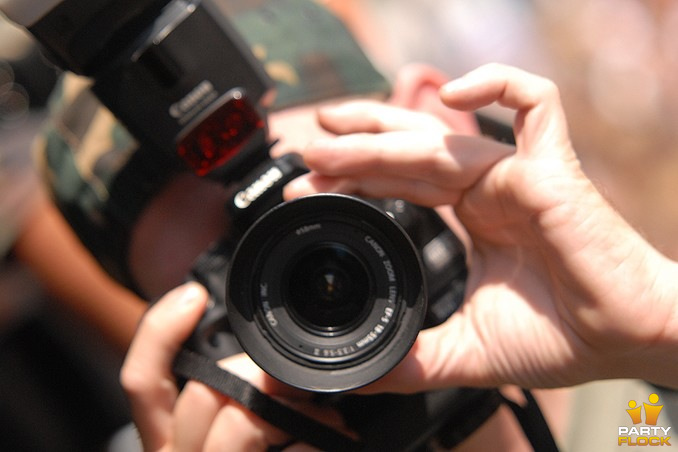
(197, 418)
(561, 290)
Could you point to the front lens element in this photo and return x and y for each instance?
(329, 289)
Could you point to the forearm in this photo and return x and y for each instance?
(72, 276)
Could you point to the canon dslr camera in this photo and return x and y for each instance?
(327, 292)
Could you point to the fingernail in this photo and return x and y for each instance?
(455, 85)
(189, 294)
(296, 187)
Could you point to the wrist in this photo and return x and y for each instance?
(656, 360)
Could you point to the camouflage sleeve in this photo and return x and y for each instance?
(81, 148)
(79, 153)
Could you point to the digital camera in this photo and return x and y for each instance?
(326, 293)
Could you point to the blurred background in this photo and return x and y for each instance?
(615, 61)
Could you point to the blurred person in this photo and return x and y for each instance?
(158, 267)
(131, 221)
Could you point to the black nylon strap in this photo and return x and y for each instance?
(192, 365)
(197, 367)
(533, 423)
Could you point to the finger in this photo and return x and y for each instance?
(375, 117)
(385, 166)
(196, 408)
(146, 373)
(416, 87)
(509, 86)
(373, 187)
(440, 159)
(536, 99)
(389, 153)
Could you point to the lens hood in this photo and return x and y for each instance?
(326, 293)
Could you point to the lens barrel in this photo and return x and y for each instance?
(326, 293)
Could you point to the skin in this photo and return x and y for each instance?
(66, 269)
(561, 289)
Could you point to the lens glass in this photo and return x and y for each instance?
(328, 289)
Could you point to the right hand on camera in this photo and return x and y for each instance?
(561, 289)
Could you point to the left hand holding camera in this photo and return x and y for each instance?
(197, 418)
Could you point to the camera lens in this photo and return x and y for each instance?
(326, 293)
(328, 289)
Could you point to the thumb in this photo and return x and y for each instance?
(146, 374)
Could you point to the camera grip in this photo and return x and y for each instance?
(213, 336)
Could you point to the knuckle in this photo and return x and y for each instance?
(548, 87)
(133, 380)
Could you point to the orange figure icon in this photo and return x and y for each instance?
(652, 411)
(634, 412)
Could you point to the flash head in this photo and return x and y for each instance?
(196, 108)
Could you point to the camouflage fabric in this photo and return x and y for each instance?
(306, 50)
(97, 171)
(81, 152)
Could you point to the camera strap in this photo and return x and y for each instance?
(448, 416)
(197, 367)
